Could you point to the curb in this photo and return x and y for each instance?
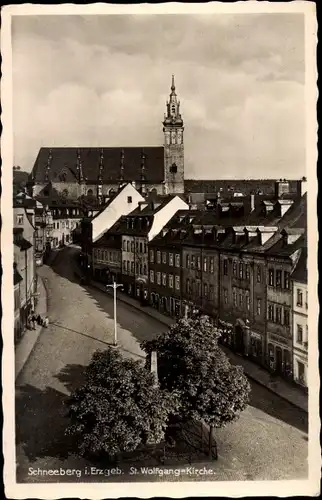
(23, 342)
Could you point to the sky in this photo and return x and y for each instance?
(103, 80)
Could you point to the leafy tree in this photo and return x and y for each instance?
(191, 363)
(119, 407)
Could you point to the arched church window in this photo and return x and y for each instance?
(173, 168)
(173, 109)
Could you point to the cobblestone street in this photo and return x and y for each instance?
(268, 442)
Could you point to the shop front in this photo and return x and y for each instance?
(241, 340)
(280, 359)
(256, 347)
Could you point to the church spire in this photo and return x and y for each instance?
(173, 88)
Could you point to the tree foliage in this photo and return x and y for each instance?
(191, 362)
(119, 406)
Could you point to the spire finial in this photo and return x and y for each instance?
(173, 88)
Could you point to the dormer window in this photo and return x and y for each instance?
(173, 168)
(129, 199)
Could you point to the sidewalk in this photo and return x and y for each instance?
(30, 337)
(277, 385)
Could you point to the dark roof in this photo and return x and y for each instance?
(110, 239)
(17, 278)
(282, 249)
(245, 186)
(22, 243)
(65, 160)
(300, 271)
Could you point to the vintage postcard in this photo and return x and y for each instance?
(159, 249)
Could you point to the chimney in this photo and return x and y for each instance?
(252, 202)
(282, 187)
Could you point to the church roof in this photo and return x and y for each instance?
(64, 161)
(230, 186)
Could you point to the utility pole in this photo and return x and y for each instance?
(115, 287)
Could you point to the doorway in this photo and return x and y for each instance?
(279, 360)
(239, 339)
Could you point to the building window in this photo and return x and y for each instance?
(128, 246)
(171, 280)
(234, 268)
(137, 246)
(205, 264)
(278, 315)
(205, 290)
(141, 269)
(225, 296)
(177, 282)
(247, 300)
(211, 292)
(193, 261)
(247, 272)
(129, 199)
(193, 287)
(299, 334)
(141, 247)
(241, 270)
(278, 278)
(63, 225)
(137, 268)
(145, 269)
(164, 258)
(211, 264)
(225, 267)
(145, 248)
(198, 262)
(259, 307)
(235, 297)
(270, 312)
(164, 279)
(67, 224)
(128, 266)
(152, 276)
(124, 265)
(177, 260)
(299, 299)
(151, 256)
(158, 257)
(158, 278)
(187, 261)
(286, 317)
(124, 246)
(170, 259)
(132, 246)
(19, 220)
(132, 267)
(286, 280)
(188, 286)
(57, 225)
(271, 277)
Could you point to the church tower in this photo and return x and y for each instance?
(173, 145)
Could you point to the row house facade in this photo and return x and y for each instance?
(300, 320)
(25, 278)
(165, 272)
(138, 229)
(107, 257)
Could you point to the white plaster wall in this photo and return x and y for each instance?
(118, 207)
(165, 214)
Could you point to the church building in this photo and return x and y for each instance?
(100, 172)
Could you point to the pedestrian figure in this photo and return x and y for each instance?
(33, 320)
(39, 320)
(46, 322)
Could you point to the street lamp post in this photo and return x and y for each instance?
(115, 287)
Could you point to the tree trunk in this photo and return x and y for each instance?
(210, 441)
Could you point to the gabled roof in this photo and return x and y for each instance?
(300, 271)
(64, 160)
